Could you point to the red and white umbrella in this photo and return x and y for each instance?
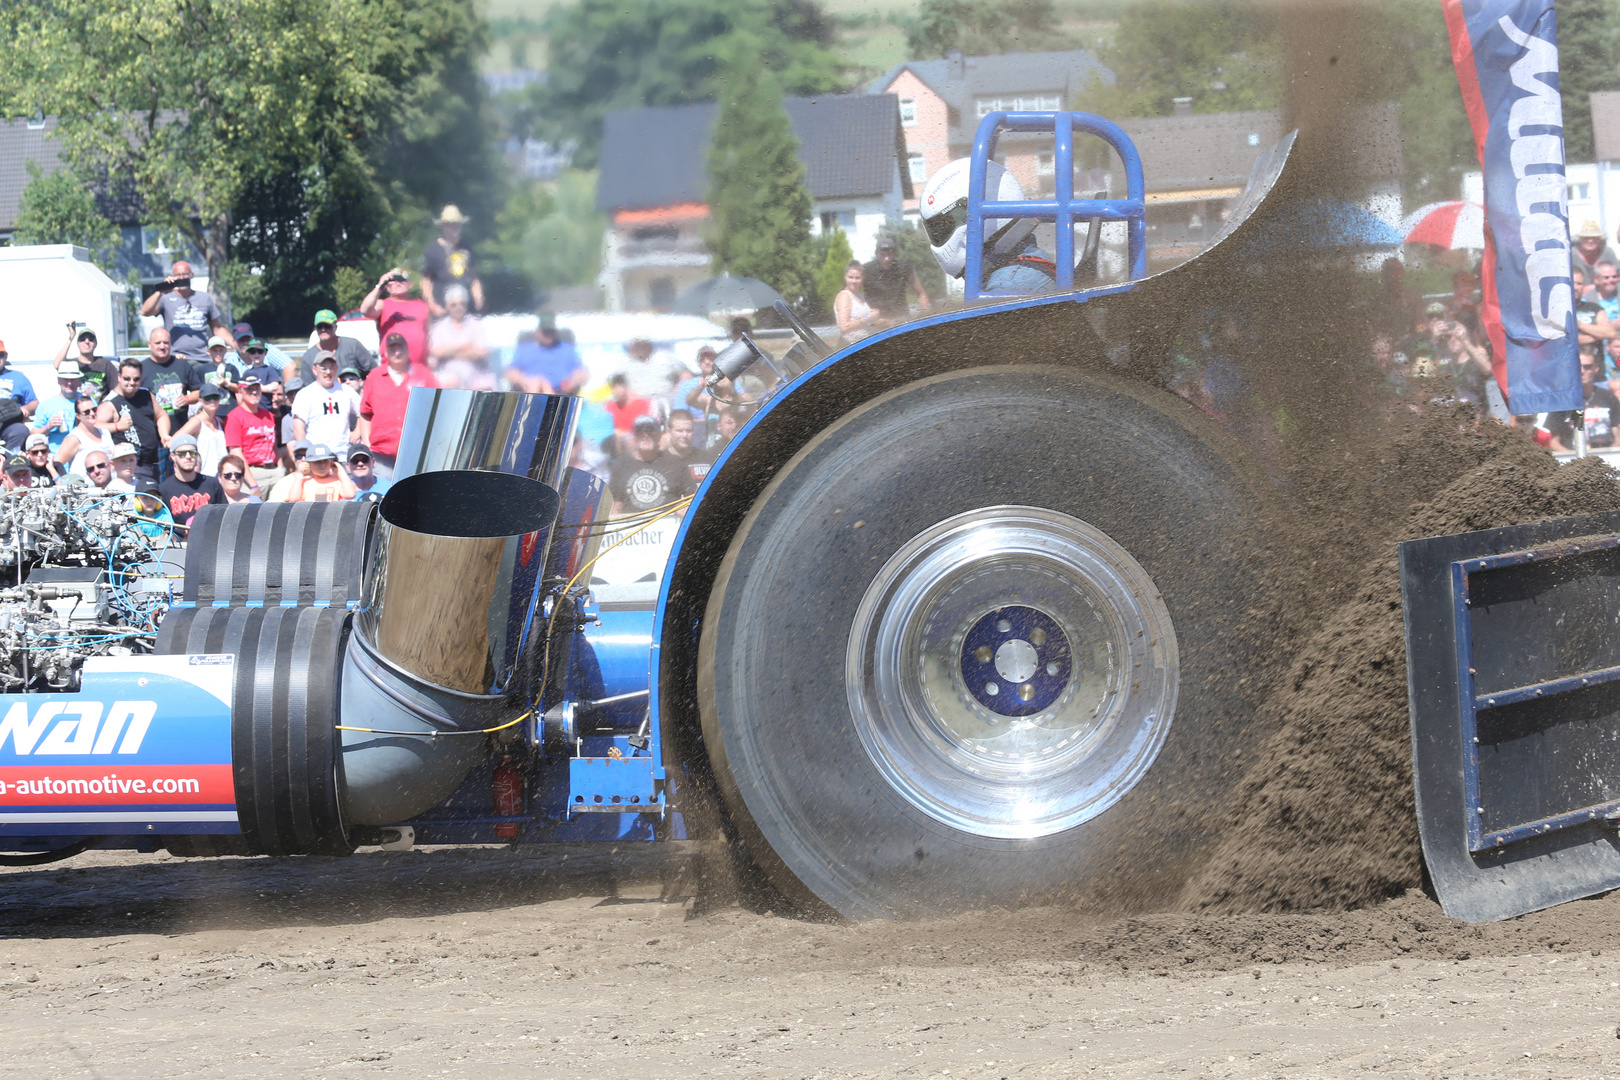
(1454, 225)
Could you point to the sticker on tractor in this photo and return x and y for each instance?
(144, 744)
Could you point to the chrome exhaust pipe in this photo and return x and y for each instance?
(454, 585)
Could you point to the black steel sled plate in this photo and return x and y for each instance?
(1513, 680)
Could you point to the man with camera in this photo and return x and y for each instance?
(191, 318)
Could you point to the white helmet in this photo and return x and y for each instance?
(944, 213)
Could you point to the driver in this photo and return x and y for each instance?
(1013, 264)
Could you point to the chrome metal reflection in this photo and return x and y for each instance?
(522, 434)
(1012, 671)
(455, 577)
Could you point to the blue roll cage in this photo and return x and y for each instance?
(1063, 208)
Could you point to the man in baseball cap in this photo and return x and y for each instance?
(349, 352)
(647, 477)
(325, 481)
(886, 278)
(97, 372)
(18, 473)
(188, 490)
(383, 399)
(367, 484)
(38, 454)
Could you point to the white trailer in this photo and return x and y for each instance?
(45, 287)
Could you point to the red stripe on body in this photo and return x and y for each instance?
(119, 784)
(1462, 58)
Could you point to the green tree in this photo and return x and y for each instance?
(550, 234)
(984, 27)
(290, 135)
(1588, 60)
(60, 209)
(1406, 54)
(758, 200)
(830, 282)
(1224, 55)
(605, 55)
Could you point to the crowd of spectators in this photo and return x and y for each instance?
(1444, 357)
(215, 415)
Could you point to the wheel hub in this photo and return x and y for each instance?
(1016, 661)
(1012, 671)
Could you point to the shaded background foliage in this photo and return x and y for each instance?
(305, 145)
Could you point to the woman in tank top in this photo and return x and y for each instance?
(87, 435)
(205, 428)
(853, 312)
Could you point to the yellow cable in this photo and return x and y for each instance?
(481, 731)
(545, 663)
(551, 623)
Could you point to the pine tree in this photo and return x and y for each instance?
(758, 202)
(831, 280)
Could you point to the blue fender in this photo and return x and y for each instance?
(1115, 328)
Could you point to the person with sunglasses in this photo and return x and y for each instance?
(208, 428)
(367, 484)
(87, 437)
(233, 477)
(99, 470)
(44, 472)
(250, 433)
(325, 481)
(188, 490)
(135, 418)
(282, 490)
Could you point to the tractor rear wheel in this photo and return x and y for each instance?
(979, 644)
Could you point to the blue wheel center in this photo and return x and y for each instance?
(1016, 661)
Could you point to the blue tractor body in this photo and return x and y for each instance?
(438, 669)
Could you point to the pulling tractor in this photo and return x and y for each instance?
(953, 622)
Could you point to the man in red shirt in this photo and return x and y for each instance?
(383, 399)
(625, 408)
(396, 313)
(250, 433)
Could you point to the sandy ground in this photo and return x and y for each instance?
(583, 961)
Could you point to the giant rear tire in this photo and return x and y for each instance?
(979, 644)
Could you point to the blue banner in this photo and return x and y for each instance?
(1506, 55)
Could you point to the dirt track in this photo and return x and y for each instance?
(491, 963)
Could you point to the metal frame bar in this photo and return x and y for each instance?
(1471, 703)
(1063, 208)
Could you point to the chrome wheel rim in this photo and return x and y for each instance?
(1012, 672)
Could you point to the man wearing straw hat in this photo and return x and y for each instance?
(446, 263)
(1588, 249)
